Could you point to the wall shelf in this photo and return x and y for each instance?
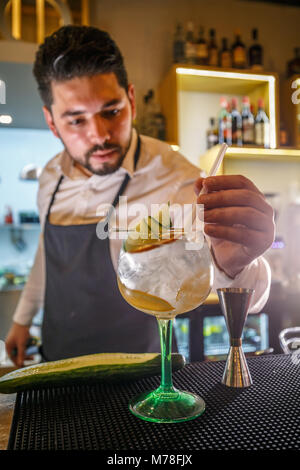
(284, 155)
(24, 226)
(187, 92)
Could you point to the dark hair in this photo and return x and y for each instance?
(76, 51)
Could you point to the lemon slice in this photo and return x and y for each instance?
(149, 231)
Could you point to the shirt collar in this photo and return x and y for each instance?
(73, 172)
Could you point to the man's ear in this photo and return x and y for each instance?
(131, 96)
(49, 121)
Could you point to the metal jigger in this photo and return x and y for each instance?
(235, 303)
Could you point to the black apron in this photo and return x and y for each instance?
(84, 312)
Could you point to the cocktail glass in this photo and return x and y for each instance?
(165, 277)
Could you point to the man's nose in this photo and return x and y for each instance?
(98, 130)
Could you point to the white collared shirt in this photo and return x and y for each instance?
(162, 175)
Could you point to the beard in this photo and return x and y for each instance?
(107, 167)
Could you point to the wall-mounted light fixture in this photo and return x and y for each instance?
(5, 119)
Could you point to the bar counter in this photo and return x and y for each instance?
(264, 416)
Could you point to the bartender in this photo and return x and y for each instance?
(90, 106)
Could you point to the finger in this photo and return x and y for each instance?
(9, 350)
(235, 197)
(20, 355)
(247, 216)
(222, 182)
(13, 357)
(9, 347)
(29, 357)
(255, 242)
(198, 185)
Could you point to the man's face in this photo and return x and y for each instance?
(92, 116)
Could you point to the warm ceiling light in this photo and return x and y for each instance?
(5, 119)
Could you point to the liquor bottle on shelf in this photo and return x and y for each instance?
(153, 121)
(255, 52)
(225, 124)
(202, 49)
(213, 58)
(190, 45)
(212, 134)
(239, 59)
(262, 126)
(247, 122)
(283, 135)
(178, 45)
(225, 55)
(236, 120)
(293, 66)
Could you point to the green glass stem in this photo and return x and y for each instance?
(166, 404)
(165, 333)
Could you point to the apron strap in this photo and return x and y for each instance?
(53, 196)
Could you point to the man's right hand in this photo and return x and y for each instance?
(17, 338)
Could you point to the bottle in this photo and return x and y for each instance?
(202, 49)
(283, 135)
(211, 134)
(293, 66)
(236, 120)
(247, 122)
(8, 218)
(225, 55)
(262, 126)
(153, 123)
(255, 52)
(190, 45)
(239, 59)
(224, 123)
(213, 58)
(147, 126)
(178, 45)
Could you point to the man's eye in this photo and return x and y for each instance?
(111, 112)
(76, 122)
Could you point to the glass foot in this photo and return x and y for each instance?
(167, 407)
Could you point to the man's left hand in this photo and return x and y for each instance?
(238, 220)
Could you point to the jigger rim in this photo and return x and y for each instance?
(235, 290)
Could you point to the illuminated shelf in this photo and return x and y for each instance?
(285, 154)
(215, 81)
(248, 153)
